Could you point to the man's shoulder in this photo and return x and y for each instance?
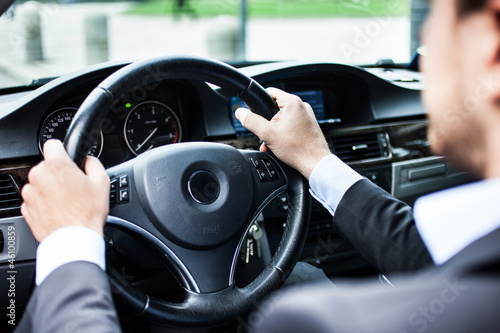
(437, 300)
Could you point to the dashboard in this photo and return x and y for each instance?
(372, 118)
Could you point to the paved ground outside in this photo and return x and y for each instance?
(345, 40)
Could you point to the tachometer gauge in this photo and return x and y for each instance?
(151, 124)
(57, 124)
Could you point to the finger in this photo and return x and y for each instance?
(263, 147)
(93, 166)
(282, 98)
(275, 92)
(32, 175)
(251, 121)
(25, 192)
(95, 170)
(54, 150)
(25, 213)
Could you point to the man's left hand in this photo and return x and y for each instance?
(59, 194)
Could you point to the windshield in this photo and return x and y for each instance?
(47, 39)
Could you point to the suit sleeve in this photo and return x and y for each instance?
(432, 305)
(459, 296)
(381, 228)
(74, 298)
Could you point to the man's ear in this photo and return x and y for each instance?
(494, 10)
(495, 3)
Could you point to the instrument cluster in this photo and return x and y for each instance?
(154, 121)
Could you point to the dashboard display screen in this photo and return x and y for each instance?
(315, 98)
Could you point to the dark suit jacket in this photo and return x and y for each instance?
(381, 228)
(463, 295)
(74, 298)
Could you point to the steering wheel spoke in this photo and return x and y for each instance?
(268, 177)
(124, 199)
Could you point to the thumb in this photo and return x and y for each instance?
(251, 121)
(54, 150)
(95, 170)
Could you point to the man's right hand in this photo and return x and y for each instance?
(293, 134)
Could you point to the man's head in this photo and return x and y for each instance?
(462, 95)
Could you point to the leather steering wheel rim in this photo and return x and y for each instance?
(198, 309)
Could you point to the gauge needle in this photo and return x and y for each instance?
(147, 139)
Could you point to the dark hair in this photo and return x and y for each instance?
(466, 7)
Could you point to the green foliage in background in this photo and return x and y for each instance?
(278, 8)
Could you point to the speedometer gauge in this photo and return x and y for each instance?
(57, 124)
(151, 124)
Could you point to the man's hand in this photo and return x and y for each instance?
(293, 134)
(59, 194)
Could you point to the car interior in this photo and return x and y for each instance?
(177, 260)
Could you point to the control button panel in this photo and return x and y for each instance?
(266, 171)
(119, 190)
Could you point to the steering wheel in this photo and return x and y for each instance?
(195, 202)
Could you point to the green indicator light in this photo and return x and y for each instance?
(128, 105)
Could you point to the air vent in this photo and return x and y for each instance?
(9, 196)
(361, 147)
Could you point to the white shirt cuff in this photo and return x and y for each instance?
(67, 245)
(330, 180)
